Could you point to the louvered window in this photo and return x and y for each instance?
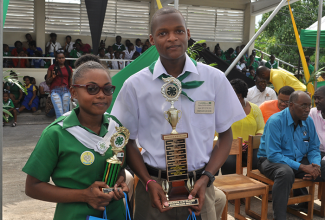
(20, 16)
(126, 18)
(213, 24)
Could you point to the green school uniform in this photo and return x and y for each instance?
(311, 68)
(8, 105)
(255, 64)
(120, 47)
(14, 89)
(59, 155)
(270, 65)
(75, 54)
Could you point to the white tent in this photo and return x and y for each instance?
(314, 26)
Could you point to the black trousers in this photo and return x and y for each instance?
(283, 177)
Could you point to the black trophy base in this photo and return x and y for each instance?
(182, 203)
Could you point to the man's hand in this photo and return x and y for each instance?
(312, 169)
(157, 196)
(199, 192)
(96, 198)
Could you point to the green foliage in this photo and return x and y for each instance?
(6, 112)
(193, 52)
(278, 37)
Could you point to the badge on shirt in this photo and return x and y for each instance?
(305, 133)
(204, 107)
(87, 158)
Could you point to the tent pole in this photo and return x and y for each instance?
(276, 10)
(1, 105)
(176, 4)
(320, 11)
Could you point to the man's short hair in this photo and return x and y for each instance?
(286, 90)
(32, 43)
(295, 95)
(164, 11)
(117, 37)
(27, 35)
(68, 36)
(321, 90)
(53, 35)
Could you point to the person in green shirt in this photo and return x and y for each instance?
(9, 106)
(221, 55)
(69, 153)
(252, 62)
(272, 63)
(118, 46)
(76, 53)
(16, 93)
(310, 67)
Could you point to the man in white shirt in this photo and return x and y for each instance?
(52, 45)
(68, 44)
(260, 92)
(140, 107)
(128, 53)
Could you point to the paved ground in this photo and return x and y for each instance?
(19, 142)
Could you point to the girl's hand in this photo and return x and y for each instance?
(30, 103)
(96, 198)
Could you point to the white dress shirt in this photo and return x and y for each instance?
(140, 107)
(56, 46)
(257, 97)
(319, 123)
(69, 46)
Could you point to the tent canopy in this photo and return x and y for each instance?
(308, 36)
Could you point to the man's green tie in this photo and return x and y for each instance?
(186, 85)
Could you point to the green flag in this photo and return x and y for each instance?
(5, 9)
(138, 64)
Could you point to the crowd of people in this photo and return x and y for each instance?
(71, 49)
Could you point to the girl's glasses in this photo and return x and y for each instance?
(94, 89)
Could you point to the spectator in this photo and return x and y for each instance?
(8, 105)
(246, 54)
(52, 45)
(221, 55)
(59, 79)
(15, 93)
(102, 45)
(32, 49)
(117, 64)
(18, 46)
(229, 53)
(101, 55)
(76, 52)
(33, 82)
(29, 39)
(21, 62)
(318, 116)
(138, 45)
(147, 43)
(68, 45)
(129, 52)
(271, 107)
(44, 91)
(251, 73)
(216, 48)
(310, 67)
(235, 54)
(127, 42)
(144, 48)
(241, 66)
(280, 78)
(135, 55)
(31, 100)
(260, 92)
(47, 62)
(110, 55)
(252, 124)
(118, 46)
(272, 63)
(289, 149)
(85, 48)
(37, 63)
(252, 62)
(6, 53)
(256, 58)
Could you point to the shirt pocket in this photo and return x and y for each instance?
(200, 121)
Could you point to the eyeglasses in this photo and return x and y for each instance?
(60, 51)
(303, 106)
(94, 89)
(285, 102)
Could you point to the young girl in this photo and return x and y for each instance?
(59, 80)
(9, 106)
(31, 100)
(67, 154)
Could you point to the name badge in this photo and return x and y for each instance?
(204, 107)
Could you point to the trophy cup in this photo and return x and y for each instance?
(113, 165)
(175, 148)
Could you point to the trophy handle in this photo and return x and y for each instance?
(166, 113)
(180, 116)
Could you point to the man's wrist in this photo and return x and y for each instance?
(205, 179)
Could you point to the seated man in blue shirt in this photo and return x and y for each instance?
(289, 149)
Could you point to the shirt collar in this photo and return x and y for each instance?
(290, 119)
(190, 66)
(72, 120)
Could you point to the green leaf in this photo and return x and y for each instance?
(6, 112)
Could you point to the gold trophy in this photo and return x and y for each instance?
(113, 165)
(175, 148)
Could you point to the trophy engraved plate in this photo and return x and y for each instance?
(175, 148)
(108, 190)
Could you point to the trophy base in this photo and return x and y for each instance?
(108, 190)
(182, 203)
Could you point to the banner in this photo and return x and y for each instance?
(5, 9)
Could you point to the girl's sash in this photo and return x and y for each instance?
(92, 141)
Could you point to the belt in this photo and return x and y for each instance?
(155, 172)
